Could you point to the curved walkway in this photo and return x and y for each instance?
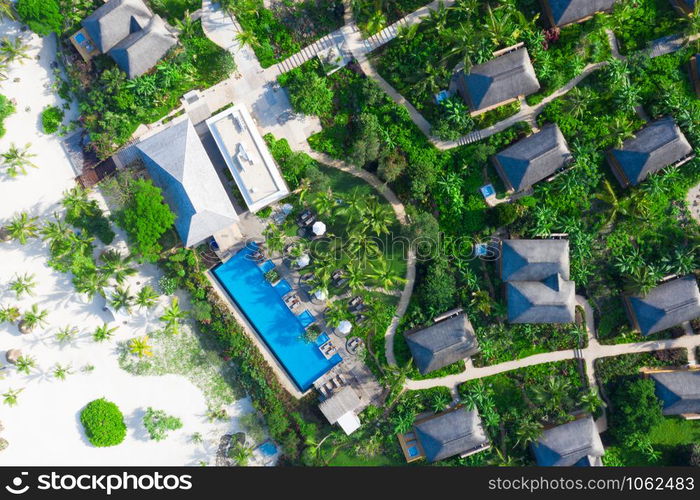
(400, 212)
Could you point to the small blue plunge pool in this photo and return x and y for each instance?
(265, 309)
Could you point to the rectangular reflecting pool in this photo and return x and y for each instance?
(281, 330)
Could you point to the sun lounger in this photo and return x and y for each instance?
(355, 300)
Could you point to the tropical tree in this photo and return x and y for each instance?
(58, 235)
(439, 402)
(353, 206)
(247, 38)
(116, 266)
(146, 298)
(33, 318)
(121, 298)
(103, 333)
(66, 334)
(335, 313)
(22, 227)
(482, 301)
(25, 364)
(17, 159)
(9, 314)
(356, 274)
(383, 274)
(7, 10)
(360, 245)
(616, 206)
(377, 216)
(528, 431)
(173, 316)
(13, 49)
(10, 397)
(324, 202)
(274, 239)
(591, 401)
(644, 279)
(141, 347)
(24, 284)
(60, 371)
(90, 282)
(241, 454)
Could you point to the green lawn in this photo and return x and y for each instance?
(665, 438)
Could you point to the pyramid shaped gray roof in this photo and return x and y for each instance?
(140, 51)
(574, 443)
(679, 391)
(533, 158)
(666, 305)
(114, 21)
(453, 432)
(500, 79)
(442, 343)
(179, 165)
(562, 12)
(552, 300)
(527, 260)
(660, 144)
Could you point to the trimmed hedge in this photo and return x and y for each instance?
(103, 423)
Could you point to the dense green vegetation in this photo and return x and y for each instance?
(173, 10)
(112, 107)
(42, 16)
(6, 109)
(51, 119)
(277, 33)
(103, 423)
(373, 15)
(158, 423)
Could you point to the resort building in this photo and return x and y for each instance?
(575, 443)
(684, 6)
(178, 164)
(679, 391)
(502, 80)
(536, 279)
(449, 339)
(457, 431)
(341, 408)
(665, 306)
(658, 145)
(563, 12)
(247, 157)
(535, 158)
(695, 74)
(129, 33)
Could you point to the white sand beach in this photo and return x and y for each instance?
(44, 427)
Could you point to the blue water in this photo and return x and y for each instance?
(267, 266)
(80, 38)
(306, 318)
(268, 448)
(413, 451)
(322, 339)
(283, 288)
(281, 330)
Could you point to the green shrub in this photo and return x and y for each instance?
(103, 423)
(6, 109)
(146, 218)
(637, 409)
(51, 119)
(158, 423)
(42, 16)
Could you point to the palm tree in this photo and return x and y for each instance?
(620, 130)
(9, 314)
(141, 347)
(172, 316)
(23, 284)
(242, 455)
(22, 227)
(616, 206)
(384, 275)
(90, 283)
(62, 371)
(482, 302)
(274, 239)
(10, 397)
(356, 274)
(439, 402)
(17, 159)
(146, 298)
(103, 333)
(13, 49)
(361, 245)
(7, 10)
(324, 203)
(186, 25)
(335, 313)
(116, 266)
(58, 235)
(25, 364)
(528, 431)
(247, 38)
(66, 334)
(121, 298)
(591, 401)
(378, 217)
(500, 459)
(76, 202)
(33, 318)
(644, 279)
(353, 206)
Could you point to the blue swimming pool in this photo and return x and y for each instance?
(279, 327)
(80, 38)
(268, 448)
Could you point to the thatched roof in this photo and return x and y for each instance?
(666, 305)
(179, 165)
(139, 52)
(533, 158)
(527, 260)
(116, 20)
(536, 276)
(442, 343)
(563, 12)
(660, 144)
(499, 80)
(340, 403)
(574, 443)
(679, 391)
(453, 432)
